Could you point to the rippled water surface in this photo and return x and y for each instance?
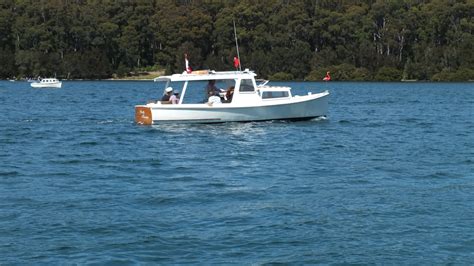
(388, 178)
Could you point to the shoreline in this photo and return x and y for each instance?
(151, 78)
(318, 81)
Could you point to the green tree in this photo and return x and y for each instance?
(357, 40)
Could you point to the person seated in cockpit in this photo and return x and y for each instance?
(166, 97)
(214, 99)
(229, 94)
(174, 99)
(211, 89)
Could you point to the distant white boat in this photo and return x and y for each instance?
(250, 102)
(47, 83)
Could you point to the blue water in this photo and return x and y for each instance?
(388, 178)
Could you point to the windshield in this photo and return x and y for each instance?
(198, 91)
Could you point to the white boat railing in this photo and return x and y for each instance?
(261, 82)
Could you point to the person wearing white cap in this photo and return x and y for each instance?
(166, 97)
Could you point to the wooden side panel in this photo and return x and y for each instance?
(143, 115)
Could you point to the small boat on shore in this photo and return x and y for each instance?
(242, 101)
(47, 83)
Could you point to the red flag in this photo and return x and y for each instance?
(327, 77)
(236, 62)
(188, 68)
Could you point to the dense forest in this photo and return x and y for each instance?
(354, 39)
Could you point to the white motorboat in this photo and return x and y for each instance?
(250, 102)
(47, 83)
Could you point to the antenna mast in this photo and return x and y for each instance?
(237, 46)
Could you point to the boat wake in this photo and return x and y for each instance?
(320, 118)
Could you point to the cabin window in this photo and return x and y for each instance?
(196, 91)
(274, 94)
(246, 85)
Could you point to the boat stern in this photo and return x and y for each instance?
(143, 115)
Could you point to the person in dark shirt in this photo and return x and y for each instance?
(211, 89)
(166, 97)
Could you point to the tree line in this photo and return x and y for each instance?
(285, 40)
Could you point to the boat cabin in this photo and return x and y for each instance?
(49, 80)
(193, 88)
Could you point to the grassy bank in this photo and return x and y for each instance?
(148, 75)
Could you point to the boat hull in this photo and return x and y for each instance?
(297, 108)
(46, 85)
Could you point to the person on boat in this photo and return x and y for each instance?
(174, 99)
(211, 89)
(229, 94)
(166, 97)
(214, 99)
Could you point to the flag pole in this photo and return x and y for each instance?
(237, 45)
